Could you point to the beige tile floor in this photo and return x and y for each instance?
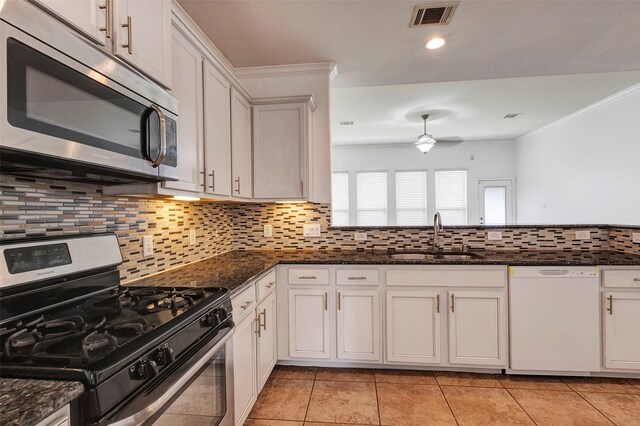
(300, 396)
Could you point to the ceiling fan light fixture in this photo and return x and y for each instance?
(425, 140)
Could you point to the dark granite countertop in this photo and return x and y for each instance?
(233, 269)
(25, 402)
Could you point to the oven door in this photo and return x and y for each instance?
(57, 108)
(199, 392)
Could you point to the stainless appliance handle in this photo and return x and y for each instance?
(194, 365)
(163, 135)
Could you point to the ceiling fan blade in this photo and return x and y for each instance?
(452, 139)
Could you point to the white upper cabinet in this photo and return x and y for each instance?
(142, 36)
(281, 146)
(413, 326)
(241, 164)
(187, 88)
(622, 330)
(477, 328)
(91, 17)
(217, 132)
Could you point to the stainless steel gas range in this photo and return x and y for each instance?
(146, 355)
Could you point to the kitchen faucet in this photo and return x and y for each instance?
(437, 227)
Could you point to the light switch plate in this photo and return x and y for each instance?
(311, 230)
(583, 235)
(494, 235)
(267, 231)
(192, 237)
(360, 236)
(147, 245)
(636, 237)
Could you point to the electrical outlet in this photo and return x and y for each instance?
(494, 235)
(267, 231)
(636, 237)
(147, 245)
(583, 235)
(311, 230)
(360, 236)
(192, 237)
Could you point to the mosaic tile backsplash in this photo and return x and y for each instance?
(30, 207)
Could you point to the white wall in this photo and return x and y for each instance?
(287, 80)
(584, 168)
(491, 160)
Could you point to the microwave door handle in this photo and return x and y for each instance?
(163, 135)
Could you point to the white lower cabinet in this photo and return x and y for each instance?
(59, 418)
(267, 350)
(622, 330)
(358, 319)
(244, 370)
(309, 330)
(413, 326)
(477, 327)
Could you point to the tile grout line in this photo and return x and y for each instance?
(520, 405)
(306, 412)
(596, 408)
(446, 400)
(375, 385)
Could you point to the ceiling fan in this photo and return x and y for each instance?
(426, 141)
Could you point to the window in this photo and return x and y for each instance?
(340, 199)
(451, 196)
(372, 198)
(411, 198)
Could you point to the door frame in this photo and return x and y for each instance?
(510, 184)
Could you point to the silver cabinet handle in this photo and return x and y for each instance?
(357, 278)
(264, 316)
(610, 308)
(438, 304)
(213, 180)
(271, 284)
(326, 303)
(163, 134)
(129, 44)
(257, 320)
(107, 29)
(636, 279)
(238, 184)
(246, 305)
(308, 277)
(453, 303)
(339, 302)
(204, 177)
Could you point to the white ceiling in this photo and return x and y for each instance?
(467, 110)
(373, 45)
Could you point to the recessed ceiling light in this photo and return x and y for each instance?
(435, 43)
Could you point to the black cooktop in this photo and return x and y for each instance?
(82, 333)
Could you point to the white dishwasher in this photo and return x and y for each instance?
(554, 319)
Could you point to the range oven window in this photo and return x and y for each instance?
(203, 401)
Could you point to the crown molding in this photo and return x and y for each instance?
(322, 68)
(309, 99)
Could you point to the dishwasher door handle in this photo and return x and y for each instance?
(553, 272)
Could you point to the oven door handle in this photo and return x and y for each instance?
(179, 378)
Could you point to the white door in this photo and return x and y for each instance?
(241, 159)
(143, 36)
(187, 88)
(622, 330)
(217, 132)
(244, 369)
(358, 324)
(309, 323)
(413, 326)
(279, 149)
(495, 202)
(88, 16)
(477, 328)
(267, 339)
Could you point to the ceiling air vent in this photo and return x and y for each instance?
(432, 14)
(514, 115)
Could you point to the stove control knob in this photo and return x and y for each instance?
(147, 369)
(165, 356)
(207, 320)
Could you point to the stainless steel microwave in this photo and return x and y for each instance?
(69, 110)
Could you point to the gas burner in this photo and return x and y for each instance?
(98, 344)
(174, 301)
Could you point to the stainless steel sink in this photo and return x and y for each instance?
(435, 256)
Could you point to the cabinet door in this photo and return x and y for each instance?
(358, 324)
(267, 343)
(143, 36)
(244, 369)
(308, 323)
(413, 327)
(241, 161)
(477, 328)
(622, 330)
(217, 132)
(88, 16)
(187, 88)
(279, 149)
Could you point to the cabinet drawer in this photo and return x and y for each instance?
(357, 277)
(244, 303)
(627, 278)
(447, 277)
(308, 276)
(266, 285)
